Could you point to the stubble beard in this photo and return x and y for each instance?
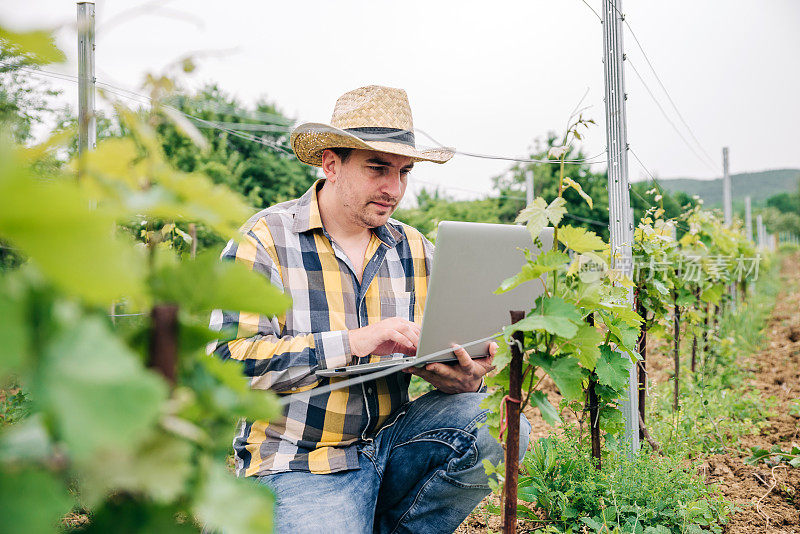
(361, 213)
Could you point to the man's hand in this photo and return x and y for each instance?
(385, 337)
(463, 377)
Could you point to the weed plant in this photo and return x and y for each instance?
(646, 493)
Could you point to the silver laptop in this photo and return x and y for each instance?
(469, 263)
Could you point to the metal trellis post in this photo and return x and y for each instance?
(727, 202)
(529, 186)
(619, 201)
(748, 218)
(87, 123)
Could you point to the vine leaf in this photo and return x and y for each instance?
(21, 512)
(626, 336)
(14, 333)
(529, 271)
(220, 492)
(96, 389)
(74, 246)
(558, 307)
(586, 345)
(612, 368)
(577, 187)
(159, 468)
(580, 240)
(560, 326)
(222, 283)
(565, 372)
(37, 46)
(552, 258)
(537, 215)
(548, 411)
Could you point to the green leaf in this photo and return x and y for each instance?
(586, 345)
(580, 239)
(32, 501)
(624, 313)
(225, 285)
(559, 326)
(712, 294)
(577, 187)
(73, 245)
(558, 307)
(565, 372)
(503, 355)
(626, 336)
(556, 210)
(548, 411)
(245, 402)
(25, 441)
(552, 258)
(612, 368)
(535, 216)
(127, 515)
(96, 390)
(159, 468)
(220, 493)
(528, 272)
(38, 45)
(13, 333)
(538, 213)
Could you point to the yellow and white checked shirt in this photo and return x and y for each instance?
(289, 246)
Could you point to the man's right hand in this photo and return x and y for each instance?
(385, 337)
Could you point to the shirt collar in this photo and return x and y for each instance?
(307, 217)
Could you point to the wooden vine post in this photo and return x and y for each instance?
(694, 334)
(164, 341)
(641, 347)
(676, 317)
(512, 408)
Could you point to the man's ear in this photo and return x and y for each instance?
(331, 165)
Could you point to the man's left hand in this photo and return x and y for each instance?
(462, 377)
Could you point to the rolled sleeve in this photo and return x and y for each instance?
(332, 349)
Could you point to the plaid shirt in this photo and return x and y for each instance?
(288, 244)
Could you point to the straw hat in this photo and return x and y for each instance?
(371, 118)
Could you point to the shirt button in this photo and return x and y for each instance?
(369, 391)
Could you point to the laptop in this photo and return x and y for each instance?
(470, 262)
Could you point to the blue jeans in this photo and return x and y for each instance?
(423, 473)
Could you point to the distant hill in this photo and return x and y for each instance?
(759, 185)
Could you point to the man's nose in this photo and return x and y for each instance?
(393, 184)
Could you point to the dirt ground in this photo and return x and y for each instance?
(767, 500)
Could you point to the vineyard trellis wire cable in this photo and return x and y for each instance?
(670, 121)
(510, 197)
(142, 99)
(658, 79)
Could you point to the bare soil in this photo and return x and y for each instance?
(767, 499)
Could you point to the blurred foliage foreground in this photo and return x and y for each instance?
(106, 436)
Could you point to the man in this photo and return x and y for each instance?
(360, 458)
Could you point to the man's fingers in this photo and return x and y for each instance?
(408, 346)
(464, 359)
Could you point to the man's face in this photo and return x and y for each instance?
(369, 185)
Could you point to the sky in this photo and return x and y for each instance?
(484, 77)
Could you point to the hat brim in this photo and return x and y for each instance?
(309, 140)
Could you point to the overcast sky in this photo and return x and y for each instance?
(485, 77)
